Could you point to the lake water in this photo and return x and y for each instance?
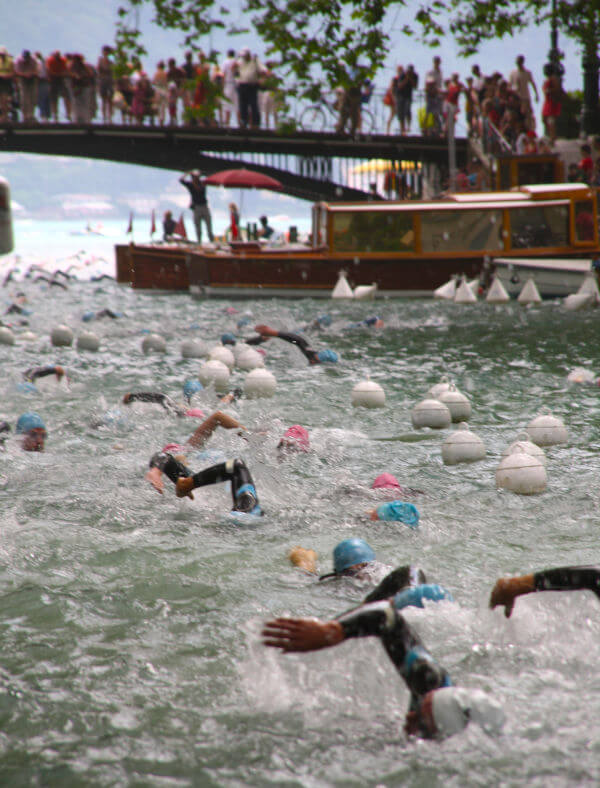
(130, 621)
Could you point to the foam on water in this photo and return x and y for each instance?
(131, 620)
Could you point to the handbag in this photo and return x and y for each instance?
(388, 99)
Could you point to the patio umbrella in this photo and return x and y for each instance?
(243, 179)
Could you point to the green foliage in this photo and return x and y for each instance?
(568, 123)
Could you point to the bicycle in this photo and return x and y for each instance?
(324, 113)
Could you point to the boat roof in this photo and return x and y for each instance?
(445, 205)
(553, 263)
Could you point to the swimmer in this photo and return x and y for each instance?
(396, 511)
(387, 481)
(295, 439)
(243, 491)
(33, 431)
(156, 397)
(313, 356)
(369, 322)
(33, 373)
(87, 316)
(354, 558)
(437, 708)
(565, 578)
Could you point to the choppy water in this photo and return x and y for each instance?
(130, 621)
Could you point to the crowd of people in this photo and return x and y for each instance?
(242, 91)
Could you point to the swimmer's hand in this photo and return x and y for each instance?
(265, 331)
(58, 371)
(301, 634)
(154, 476)
(184, 486)
(127, 398)
(507, 589)
(304, 559)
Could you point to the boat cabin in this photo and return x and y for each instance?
(547, 220)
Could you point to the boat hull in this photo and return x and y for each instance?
(553, 277)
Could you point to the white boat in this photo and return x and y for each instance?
(553, 277)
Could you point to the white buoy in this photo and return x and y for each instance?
(87, 340)
(464, 294)
(342, 289)
(590, 286)
(61, 336)
(368, 394)
(447, 291)
(214, 372)
(523, 443)
(521, 473)
(547, 430)
(28, 336)
(439, 388)
(462, 445)
(6, 227)
(193, 348)
(222, 353)
(430, 413)
(529, 294)
(497, 293)
(581, 375)
(578, 301)
(154, 343)
(457, 403)
(249, 359)
(474, 286)
(6, 336)
(365, 292)
(260, 383)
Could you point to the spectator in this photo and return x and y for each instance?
(43, 92)
(471, 106)
(106, 83)
(430, 119)
(204, 103)
(189, 76)
(250, 70)
(265, 231)
(199, 204)
(435, 73)
(405, 92)
(454, 88)
(82, 81)
(230, 89)
(520, 79)
(124, 96)
(586, 164)
(234, 222)
(27, 79)
(172, 97)
(217, 79)
(574, 174)
(478, 82)
(169, 225)
(160, 87)
(269, 98)
(58, 74)
(350, 100)
(552, 90)
(390, 101)
(7, 75)
(142, 101)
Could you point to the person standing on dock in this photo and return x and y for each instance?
(199, 204)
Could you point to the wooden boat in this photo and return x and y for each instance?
(408, 248)
(554, 278)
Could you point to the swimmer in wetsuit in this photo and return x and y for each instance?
(564, 578)
(243, 491)
(33, 373)
(430, 714)
(313, 356)
(156, 397)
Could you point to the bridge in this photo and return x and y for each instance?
(310, 165)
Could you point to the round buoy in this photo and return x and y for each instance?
(523, 443)
(6, 336)
(224, 355)
(368, 394)
(214, 372)
(154, 343)
(462, 446)
(456, 402)
(430, 413)
(439, 388)
(87, 340)
(249, 359)
(260, 383)
(547, 430)
(28, 336)
(193, 348)
(521, 473)
(61, 336)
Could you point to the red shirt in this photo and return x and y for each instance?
(56, 65)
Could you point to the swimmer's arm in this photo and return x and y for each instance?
(163, 462)
(258, 340)
(209, 425)
(155, 397)
(304, 559)
(301, 634)
(390, 585)
(566, 578)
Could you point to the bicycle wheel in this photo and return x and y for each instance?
(367, 121)
(313, 119)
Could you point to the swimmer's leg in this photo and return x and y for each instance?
(243, 491)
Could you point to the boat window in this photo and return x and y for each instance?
(373, 231)
(584, 220)
(539, 226)
(460, 230)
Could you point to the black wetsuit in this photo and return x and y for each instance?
(568, 578)
(295, 339)
(243, 492)
(156, 397)
(420, 671)
(33, 373)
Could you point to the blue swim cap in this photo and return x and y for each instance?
(228, 339)
(328, 356)
(27, 387)
(350, 552)
(191, 387)
(29, 421)
(243, 322)
(324, 320)
(399, 511)
(413, 597)
(87, 316)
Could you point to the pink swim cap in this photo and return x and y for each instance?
(173, 447)
(385, 481)
(261, 350)
(297, 437)
(195, 413)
